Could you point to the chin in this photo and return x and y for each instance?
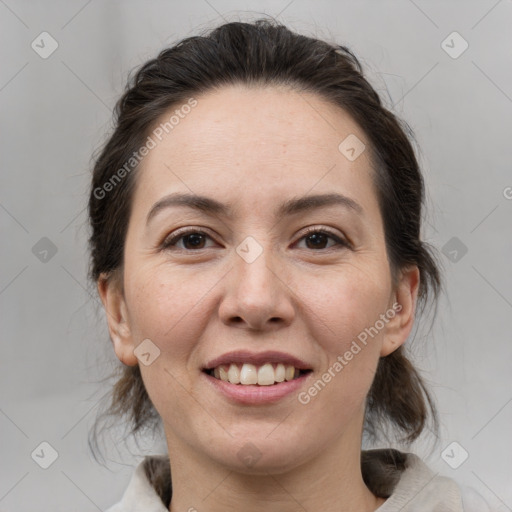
(260, 455)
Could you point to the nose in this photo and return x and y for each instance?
(257, 295)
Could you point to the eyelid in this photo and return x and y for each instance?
(173, 238)
(341, 239)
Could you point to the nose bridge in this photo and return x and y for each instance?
(255, 269)
(256, 294)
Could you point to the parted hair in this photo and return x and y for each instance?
(265, 53)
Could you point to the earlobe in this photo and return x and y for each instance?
(117, 318)
(404, 306)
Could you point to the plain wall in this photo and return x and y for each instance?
(56, 111)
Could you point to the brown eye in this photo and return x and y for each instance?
(196, 241)
(317, 239)
(190, 240)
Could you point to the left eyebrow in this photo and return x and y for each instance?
(291, 207)
(308, 203)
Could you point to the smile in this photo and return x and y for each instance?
(246, 374)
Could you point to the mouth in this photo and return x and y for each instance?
(246, 378)
(248, 374)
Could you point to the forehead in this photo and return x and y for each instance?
(242, 142)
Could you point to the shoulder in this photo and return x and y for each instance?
(142, 493)
(411, 486)
(472, 501)
(406, 482)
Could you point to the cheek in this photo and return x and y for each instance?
(342, 322)
(168, 307)
(345, 304)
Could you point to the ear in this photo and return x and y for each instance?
(112, 297)
(403, 303)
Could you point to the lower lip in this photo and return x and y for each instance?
(254, 394)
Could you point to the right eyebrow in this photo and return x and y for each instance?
(196, 202)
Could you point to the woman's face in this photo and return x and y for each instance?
(252, 280)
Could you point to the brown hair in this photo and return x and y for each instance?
(266, 53)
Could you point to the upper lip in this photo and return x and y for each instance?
(245, 356)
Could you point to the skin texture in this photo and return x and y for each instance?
(254, 148)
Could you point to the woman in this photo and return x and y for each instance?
(256, 245)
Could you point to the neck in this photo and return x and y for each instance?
(331, 482)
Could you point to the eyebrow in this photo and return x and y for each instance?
(291, 207)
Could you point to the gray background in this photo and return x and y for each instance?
(57, 111)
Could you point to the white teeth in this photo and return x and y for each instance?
(250, 374)
(266, 375)
(234, 374)
(223, 373)
(280, 372)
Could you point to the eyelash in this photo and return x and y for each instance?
(168, 243)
